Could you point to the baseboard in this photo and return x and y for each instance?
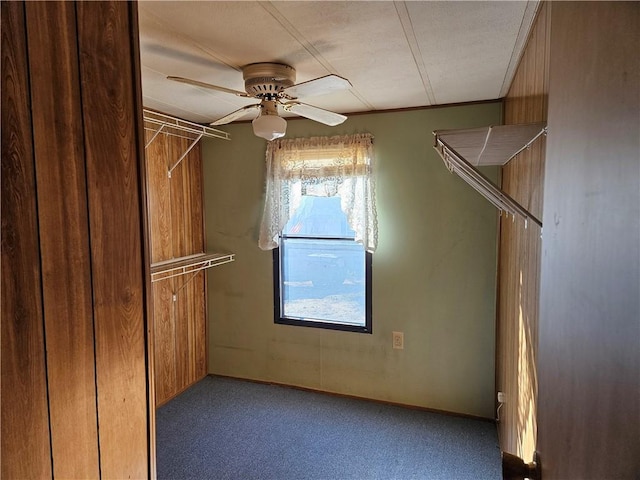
(355, 397)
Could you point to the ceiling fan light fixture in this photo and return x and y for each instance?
(274, 84)
(269, 127)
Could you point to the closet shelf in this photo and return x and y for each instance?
(189, 264)
(463, 150)
(160, 123)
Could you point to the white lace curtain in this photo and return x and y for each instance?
(323, 167)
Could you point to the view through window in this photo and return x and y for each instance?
(322, 272)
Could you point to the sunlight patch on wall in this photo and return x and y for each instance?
(527, 385)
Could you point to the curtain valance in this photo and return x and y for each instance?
(320, 166)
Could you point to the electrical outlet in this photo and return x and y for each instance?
(501, 397)
(398, 340)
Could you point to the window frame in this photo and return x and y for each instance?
(280, 319)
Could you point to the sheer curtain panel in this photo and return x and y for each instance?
(324, 167)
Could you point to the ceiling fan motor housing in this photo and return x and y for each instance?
(266, 80)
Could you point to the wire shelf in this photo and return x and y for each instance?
(160, 123)
(190, 264)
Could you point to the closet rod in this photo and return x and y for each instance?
(170, 125)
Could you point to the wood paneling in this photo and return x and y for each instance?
(190, 318)
(59, 153)
(74, 365)
(143, 189)
(164, 340)
(581, 65)
(116, 233)
(196, 209)
(589, 335)
(26, 449)
(198, 338)
(176, 230)
(519, 258)
(180, 221)
(159, 198)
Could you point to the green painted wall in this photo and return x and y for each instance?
(434, 273)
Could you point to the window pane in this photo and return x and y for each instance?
(323, 280)
(319, 217)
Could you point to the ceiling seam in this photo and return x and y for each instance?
(519, 45)
(308, 46)
(188, 39)
(410, 36)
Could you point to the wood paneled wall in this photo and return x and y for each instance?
(25, 416)
(74, 276)
(571, 372)
(176, 230)
(589, 334)
(519, 257)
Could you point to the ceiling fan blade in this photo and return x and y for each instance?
(209, 86)
(314, 113)
(318, 86)
(241, 112)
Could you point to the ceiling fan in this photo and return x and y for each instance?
(274, 84)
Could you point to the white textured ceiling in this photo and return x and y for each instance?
(396, 54)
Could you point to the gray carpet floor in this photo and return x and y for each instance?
(223, 428)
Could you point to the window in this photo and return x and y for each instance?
(322, 276)
(320, 219)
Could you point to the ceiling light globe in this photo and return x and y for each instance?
(269, 127)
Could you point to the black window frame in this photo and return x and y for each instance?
(280, 319)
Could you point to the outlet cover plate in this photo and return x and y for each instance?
(398, 340)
